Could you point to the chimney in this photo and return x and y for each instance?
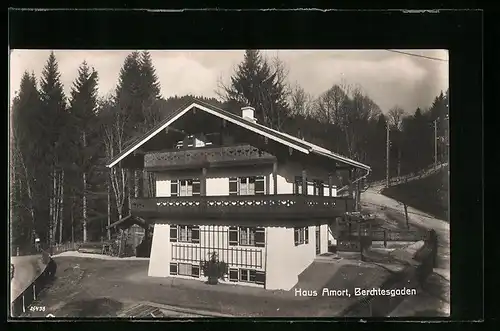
(248, 113)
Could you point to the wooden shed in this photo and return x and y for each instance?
(138, 234)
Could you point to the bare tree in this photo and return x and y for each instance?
(301, 102)
(22, 176)
(331, 105)
(395, 116)
(114, 142)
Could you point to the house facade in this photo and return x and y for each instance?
(262, 200)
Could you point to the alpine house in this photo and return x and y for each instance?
(262, 200)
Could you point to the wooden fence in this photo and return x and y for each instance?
(56, 249)
(354, 241)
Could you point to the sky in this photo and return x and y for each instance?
(389, 78)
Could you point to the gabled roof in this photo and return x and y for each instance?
(280, 137)
(128, 221)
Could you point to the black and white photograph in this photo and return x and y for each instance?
(157, 184)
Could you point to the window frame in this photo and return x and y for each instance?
(318, 187)
(183, 264)
(189, 184)
(249, 236)
(175, 268)
(248, 180)
(301, 235)
(192, 233)
(259, 236)
(297, 185)
(252, 276)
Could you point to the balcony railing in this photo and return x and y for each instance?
(286, 206)
(215, 156)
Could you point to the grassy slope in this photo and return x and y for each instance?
(429, 194)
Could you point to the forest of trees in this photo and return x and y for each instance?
(60, 143)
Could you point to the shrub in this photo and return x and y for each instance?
(214, 269)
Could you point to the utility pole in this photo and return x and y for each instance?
(387, 184)
(435, 144)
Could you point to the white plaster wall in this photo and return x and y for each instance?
(217, 186)
(217, 179)
(159, 261)
(280, 273)
(162, 186)
(216, 238)
(284, 187)
(303, 255)
(282, 260)
(324, 238)
(286, 178)
(332, 238)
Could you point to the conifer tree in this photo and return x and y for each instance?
(128, 99)
(149, 91)
(256, 83)
(83, 105)
(23, 198)
(54, 142)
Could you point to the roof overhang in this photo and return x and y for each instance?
(280, 137)
(243, 123)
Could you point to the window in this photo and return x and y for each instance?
(253, 185)
(185, 187)
(185, 233)
(185, 269)
(249, 276)
(233, 275)
(195, 271)
(247, 236)
(173, 268)
(297, 185)
(301, 235)
(319, 188)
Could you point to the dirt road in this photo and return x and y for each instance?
(439, 282)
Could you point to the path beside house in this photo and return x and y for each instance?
(436, 301)
(93, 287)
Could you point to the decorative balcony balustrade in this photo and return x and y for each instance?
(286, 206)
(216, 156)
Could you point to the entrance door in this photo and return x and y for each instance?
(318, 240)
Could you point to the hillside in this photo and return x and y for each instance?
(429, 194)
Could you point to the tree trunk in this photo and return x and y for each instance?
(151, 185)
(61, 214)
(72, 221)
(84, 206)
(52, 211)
(109, 206)
(136, 184)
(84, 196)
(130, 184)
(57, 209)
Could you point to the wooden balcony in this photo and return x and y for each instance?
(213, 156)
(284, 206)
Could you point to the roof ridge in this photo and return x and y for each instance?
(298, 142)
